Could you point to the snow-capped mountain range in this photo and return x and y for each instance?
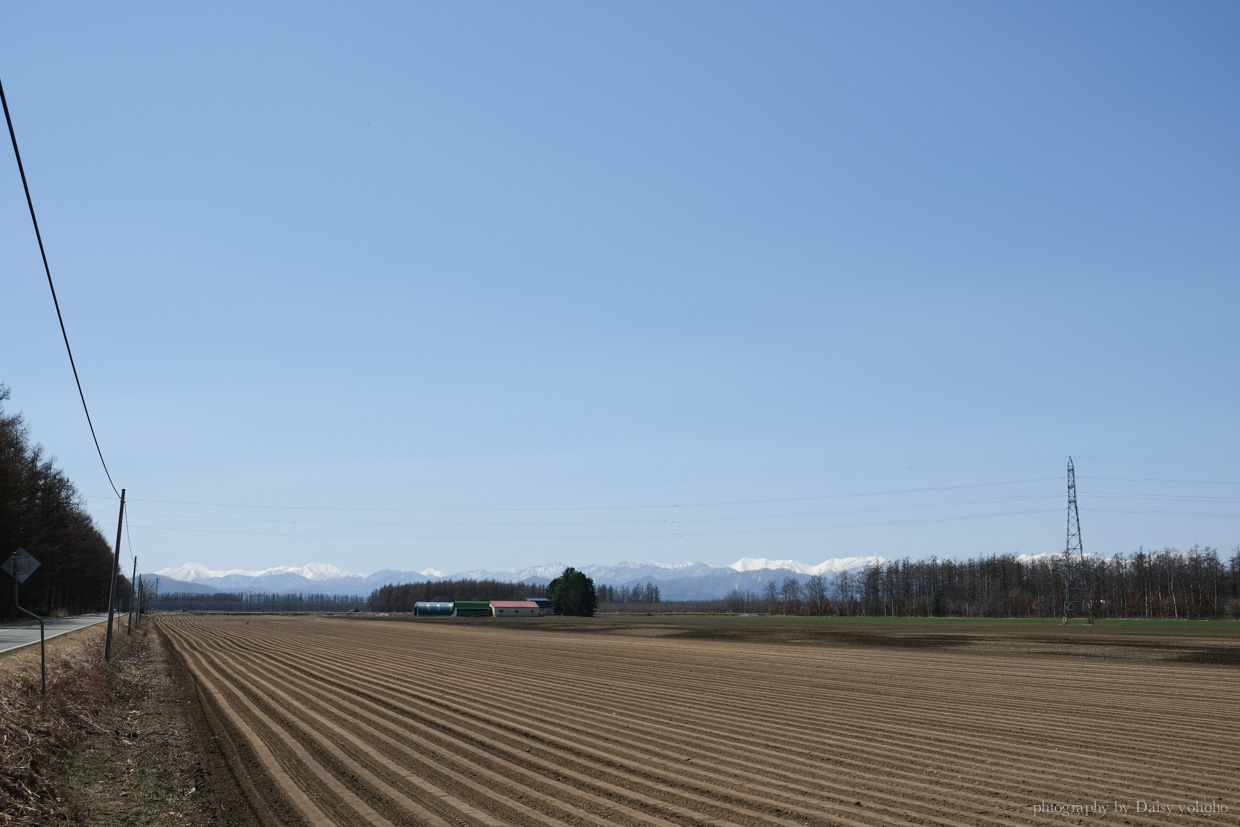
(832, 566)
(676, 581)
(193, 572)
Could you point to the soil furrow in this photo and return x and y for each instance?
(490, 723)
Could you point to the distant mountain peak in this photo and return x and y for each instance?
(633, 564)
(676, 581)
(321, 571)
(761, 563)
(195, 572)
(830, 566)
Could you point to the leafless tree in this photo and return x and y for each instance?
(790, 590)
(816, 594)
(770, 596)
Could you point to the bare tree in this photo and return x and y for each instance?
(816, 594)
(790, 590)
(770, 595)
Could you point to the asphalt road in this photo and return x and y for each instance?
(23, 633)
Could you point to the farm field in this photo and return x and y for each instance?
(694, 721)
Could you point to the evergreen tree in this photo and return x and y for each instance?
(572, 593)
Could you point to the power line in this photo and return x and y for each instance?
(642, 521)
(1117, 495)
(30, 203)
(610, 536)
(604, 507)
(684, 481)
(1150, 479)
(128, 536)
(692, 480)
(1166, 459)
(1167, 513)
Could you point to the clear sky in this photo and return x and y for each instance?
(465, 285)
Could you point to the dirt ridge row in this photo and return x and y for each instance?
(395, 723)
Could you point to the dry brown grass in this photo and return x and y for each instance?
(36, 730)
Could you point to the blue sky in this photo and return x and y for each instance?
(487, 285)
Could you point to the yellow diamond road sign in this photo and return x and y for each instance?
(21, 565)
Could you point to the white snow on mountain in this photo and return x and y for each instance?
(831, 566)
(318, 571)
(760, 563)
(1046, 555)
(189, 572)
(195, 572)
(630, 564)
(677, 581)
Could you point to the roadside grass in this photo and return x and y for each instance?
(144, 771)
(35, 728)
(89, 752)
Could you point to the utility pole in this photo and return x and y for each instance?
(133, 593)
(1074, 567)
(116, 567)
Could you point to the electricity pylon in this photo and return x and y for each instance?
(1075, 572)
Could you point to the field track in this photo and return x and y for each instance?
(344, 721)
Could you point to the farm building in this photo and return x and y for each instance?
(429, 608)
(515, 608)
(544, 605)
(473, 608)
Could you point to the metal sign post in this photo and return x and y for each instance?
(20, 566)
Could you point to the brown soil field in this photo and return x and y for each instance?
(709, 721)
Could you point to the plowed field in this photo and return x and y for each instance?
(532, 721)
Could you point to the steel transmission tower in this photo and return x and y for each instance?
(1075, 572)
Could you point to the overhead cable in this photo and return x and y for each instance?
(609, 507)
(640, 521)
(717, 533)
(1150, 479)
(34, 220)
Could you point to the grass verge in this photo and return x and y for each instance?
(109, 744)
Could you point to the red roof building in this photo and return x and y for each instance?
(515, 608)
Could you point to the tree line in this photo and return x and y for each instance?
(572, 593)
(251, 602)
(1168, 584)
(42, 512)
(636, 593)
(401, 597)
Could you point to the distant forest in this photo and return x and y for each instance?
(1169, 584)
(1191, 585)
(42, 512)
(636, 593)
(250, 602)
(400, 598)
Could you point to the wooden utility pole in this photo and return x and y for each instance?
(116, 567)
(133, 593)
